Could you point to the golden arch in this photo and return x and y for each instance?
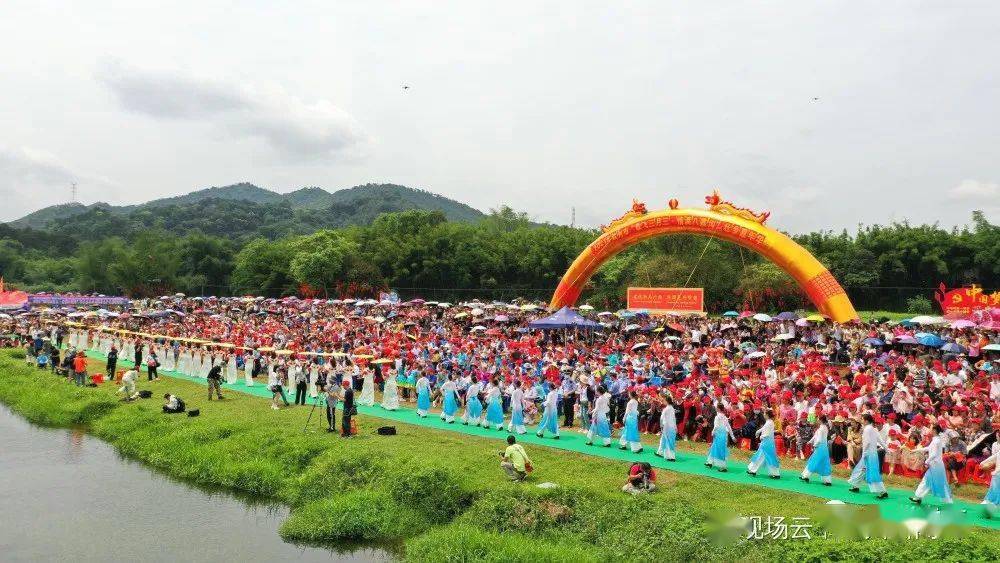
(721, 220)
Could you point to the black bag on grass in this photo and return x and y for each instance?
(387, 431)
(194, 412)
(145, 394)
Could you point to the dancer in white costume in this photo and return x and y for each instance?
(599, 425)
(473, 406)
(516, 423)
(313, 378)
(868, 468)
(935, 479)
(390, 395)
(767, 453)
(248, 370)
(668, 431)
(367, 397)
(231, 375)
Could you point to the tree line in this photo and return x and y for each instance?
(421, 253)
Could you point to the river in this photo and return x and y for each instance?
(65, 495)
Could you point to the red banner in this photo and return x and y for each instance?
(667, 299)
(964, 301)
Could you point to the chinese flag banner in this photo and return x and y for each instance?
(667, 299)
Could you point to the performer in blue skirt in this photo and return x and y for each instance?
(668, 431)
(819, 461)
(721, 433)
(423, 387)
(766, 453)
(449, 405)
(517, 409)
(473, 406)
(494, 408)
(599, 425)
(550, 415)
(630, 434)
(992, 499)
(868, 468)
(935, 479)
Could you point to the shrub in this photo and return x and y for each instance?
(467, 543)
(919, 305)
(355, 515)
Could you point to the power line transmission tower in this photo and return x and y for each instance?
(72, 192)
(572, 220)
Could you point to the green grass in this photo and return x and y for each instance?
(439, 494)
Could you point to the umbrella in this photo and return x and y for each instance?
(954, 348)
(802, 322)
(872, 342)
(748, 345)
(920, 335)
(746, 314)
(461, 315)
(992, 347)
(605, 314)
(382, 361)
(782, 337)
(815, 318)
(730, 314)
(931, 340)
(905, 340)
(529, 307)
(755, 355)
(640, 346)
(927, 320)
(501, 318)
(586, 307)
(962, 323)
(786, 316)
(676, 327)
(763, 317)
(477, 328)
(444, 305)
(633, 327)
(477, 312)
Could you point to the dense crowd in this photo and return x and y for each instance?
(482, 361)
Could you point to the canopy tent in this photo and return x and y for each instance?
(563, 318)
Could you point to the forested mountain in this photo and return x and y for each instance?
(278, 212)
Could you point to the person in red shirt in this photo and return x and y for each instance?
(79, 369)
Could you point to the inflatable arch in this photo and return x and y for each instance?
(721, 220)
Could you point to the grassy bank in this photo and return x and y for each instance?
(440, 493)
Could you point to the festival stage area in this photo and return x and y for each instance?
(896, 508)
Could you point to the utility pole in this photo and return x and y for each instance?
(572, 220)
(72, 191)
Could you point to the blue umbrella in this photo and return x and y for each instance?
(931, 340)
(873, 342)
(786, 316)
(730, 314)
(954, 348)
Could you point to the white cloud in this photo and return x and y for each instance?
(32, 179)
(974, 189)
(293, 127)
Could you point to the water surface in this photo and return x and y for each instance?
(66, 495)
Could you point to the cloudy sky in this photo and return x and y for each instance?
(829, 114)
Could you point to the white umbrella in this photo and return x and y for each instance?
(640, 346)
(477, 328)
(501, 318)
(444, 305)
(529, 307)
(672, 337)
(633, 327)
(476, 312)
(927, 320)
(755, 355)
(586, 307)
(605, 314)
(762, 317)
(513, 307)
(781, 337)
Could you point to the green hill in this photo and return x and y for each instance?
(243, 211)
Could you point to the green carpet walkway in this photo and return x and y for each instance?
(896, 508)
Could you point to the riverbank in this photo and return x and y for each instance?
(440, 493)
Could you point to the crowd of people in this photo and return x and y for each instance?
(916, 398)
